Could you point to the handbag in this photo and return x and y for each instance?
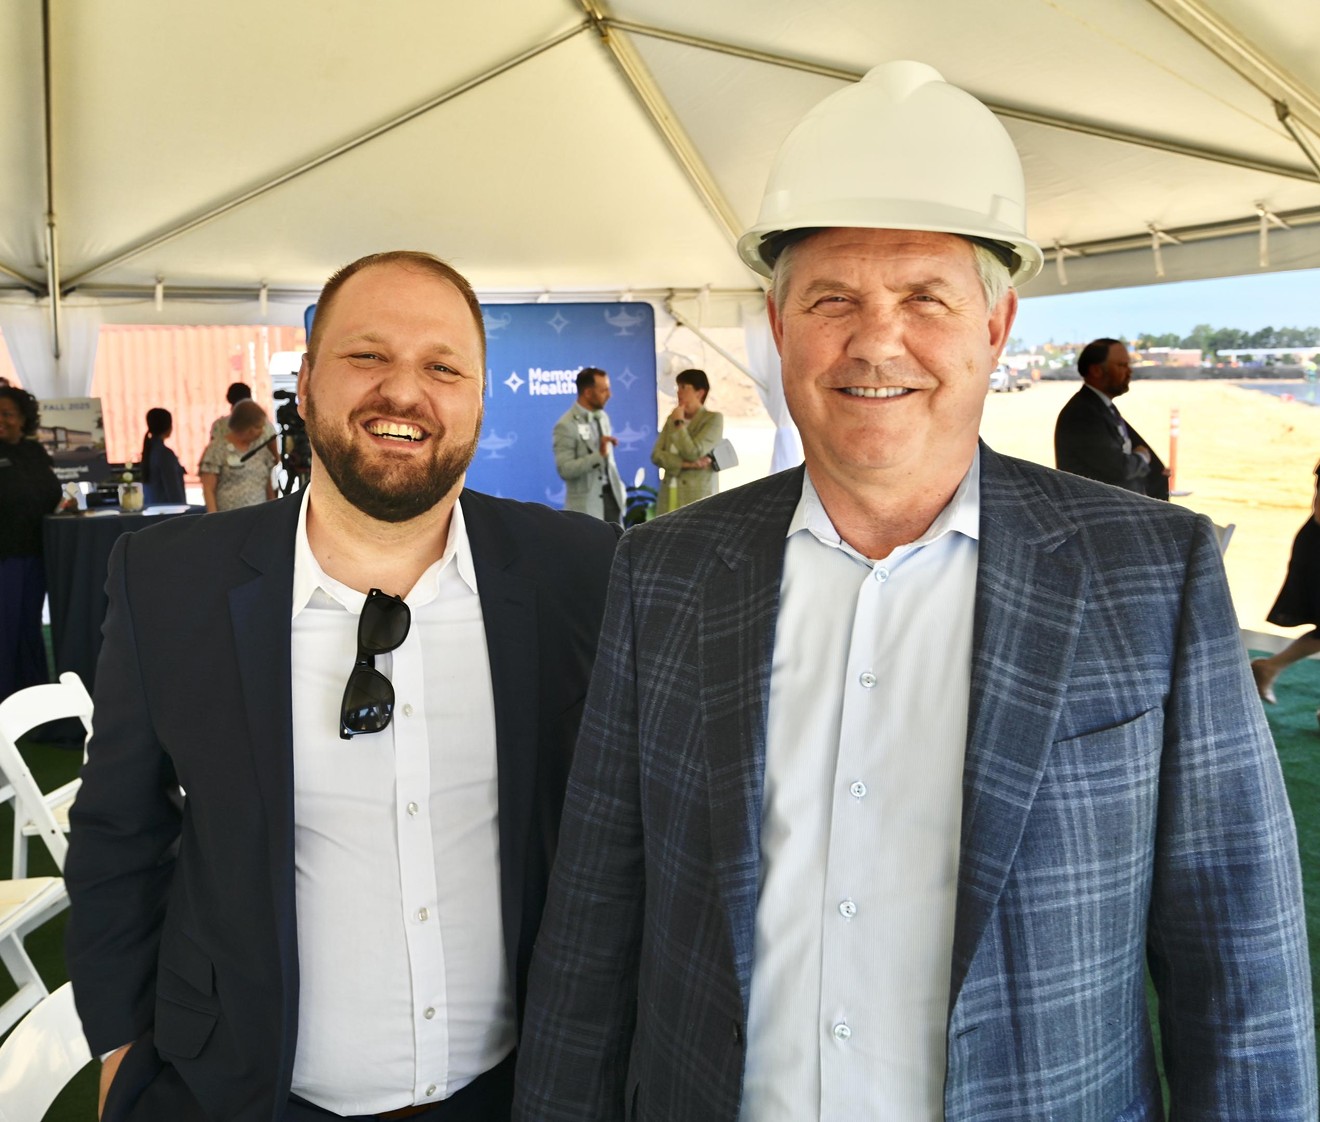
(723, 456)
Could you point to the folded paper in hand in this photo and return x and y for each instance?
(723, 456)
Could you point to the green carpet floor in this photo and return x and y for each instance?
(1292, 720)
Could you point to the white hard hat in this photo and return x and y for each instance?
(904, 150)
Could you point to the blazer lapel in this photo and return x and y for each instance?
(259, 611)
(508, 610)
(736, 633)
(1028, 606)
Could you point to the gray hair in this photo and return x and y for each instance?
(990, 271)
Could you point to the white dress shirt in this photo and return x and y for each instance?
(404, 996)
(1122, 424)
(866, 735)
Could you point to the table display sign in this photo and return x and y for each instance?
(70, 430)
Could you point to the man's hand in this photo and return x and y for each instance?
(605, 442)
(108, 1069)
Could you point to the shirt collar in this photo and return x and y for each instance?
(961, 515)
(1109, 401)
(309, 578)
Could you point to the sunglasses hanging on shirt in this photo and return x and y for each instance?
(368, 702)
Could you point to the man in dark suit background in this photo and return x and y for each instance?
(897, 770)
(1092, 439)
(369, 692)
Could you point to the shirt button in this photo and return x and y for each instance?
(858, 790)
(423, 914)
(880, 573)
(430, 1090)
(841, 1031)
(847, 909)
(413, 808)
(867, 679)
(407, 710)
(429, 1014)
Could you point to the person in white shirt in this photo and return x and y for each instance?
(369, 692)
(898, 768)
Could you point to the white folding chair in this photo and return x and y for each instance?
(40, 1057)
(25, 905)
(37, 813)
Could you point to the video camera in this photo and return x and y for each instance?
(295, 449)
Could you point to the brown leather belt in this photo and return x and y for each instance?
(407, 1111)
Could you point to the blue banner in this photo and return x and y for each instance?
(533, 355)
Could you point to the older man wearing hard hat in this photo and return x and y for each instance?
(897, 772)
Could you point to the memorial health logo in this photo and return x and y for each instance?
(624, 320)
(494, 444)
(514, 382)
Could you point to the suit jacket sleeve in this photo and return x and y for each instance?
(1227, 938)
(1086, 444)
(664, 453)
(125, 825)
(570, 462)
(582, 995)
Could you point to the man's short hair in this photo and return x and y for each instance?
(696, 379)
(238, 391)
(993, 274)
(411, 259)
(587, 376)
(1095, 353)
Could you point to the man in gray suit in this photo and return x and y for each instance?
(896, 772)
(584, 451)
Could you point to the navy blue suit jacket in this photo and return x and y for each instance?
(183, 915)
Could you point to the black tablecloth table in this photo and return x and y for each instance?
(77, 550)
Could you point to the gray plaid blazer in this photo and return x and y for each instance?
(1123, 806)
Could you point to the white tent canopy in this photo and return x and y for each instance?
(593, 148)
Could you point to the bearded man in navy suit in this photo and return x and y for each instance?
(1092, 439)
(309, 854)
(897, 771)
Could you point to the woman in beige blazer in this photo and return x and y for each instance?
(684, 445)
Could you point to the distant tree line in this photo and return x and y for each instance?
(1210, 339)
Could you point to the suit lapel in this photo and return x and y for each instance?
(736, 633)
(259, 610)
(508, 610)
(1029, 601)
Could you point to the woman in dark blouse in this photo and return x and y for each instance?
(28, 491)
(162, 474)
(1298, 603)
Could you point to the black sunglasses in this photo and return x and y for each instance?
(368, 701)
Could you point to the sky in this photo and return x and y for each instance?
(1284, 299)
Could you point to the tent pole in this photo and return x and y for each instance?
(324, 158)
(52, 237)
(1243, 58)
(53, 281)
(714, 346)
(1308, 150)
(1001, 109)
(27, 282)
(666, 123)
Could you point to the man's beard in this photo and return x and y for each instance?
(381, 489)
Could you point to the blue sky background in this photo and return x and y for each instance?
(1287, 299)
